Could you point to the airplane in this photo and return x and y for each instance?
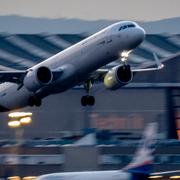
(139, 168)
(80, 64)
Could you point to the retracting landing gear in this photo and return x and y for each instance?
(88, 100)
(34, 101)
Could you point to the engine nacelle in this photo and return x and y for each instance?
(37, 78)
(118, 77)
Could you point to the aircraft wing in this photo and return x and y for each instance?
(142, 67)
(14, 76)
(17, 76)
(100, 73)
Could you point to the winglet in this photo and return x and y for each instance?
(158, 62)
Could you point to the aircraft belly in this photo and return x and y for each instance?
(11, 98)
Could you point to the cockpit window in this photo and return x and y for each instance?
(131, 25)
(120, 28)
(126, 26)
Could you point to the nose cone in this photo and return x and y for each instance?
(136, 37)
(139, 35)
(142, 34)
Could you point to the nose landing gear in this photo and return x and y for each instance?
(88, 99)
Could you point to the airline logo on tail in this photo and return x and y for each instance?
(141, 165)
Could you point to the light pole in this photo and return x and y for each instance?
(17, 120)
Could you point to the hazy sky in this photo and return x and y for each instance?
(146, 10)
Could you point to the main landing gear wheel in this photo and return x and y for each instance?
(87, 100)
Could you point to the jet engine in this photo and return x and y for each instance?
(117, 77)
(37, 78)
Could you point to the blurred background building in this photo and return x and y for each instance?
(151, 96)
(114, 124)
(64, 136)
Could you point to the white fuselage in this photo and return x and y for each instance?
(91, 175)
(78, 62)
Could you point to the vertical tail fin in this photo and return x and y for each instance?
(143, 159)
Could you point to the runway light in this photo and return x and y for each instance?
(29, 178)
(25, 120)
(19, 114)
(14, 178)
(155, 177)
(174, 177)
(14, 124)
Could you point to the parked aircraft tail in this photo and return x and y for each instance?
(141, 165)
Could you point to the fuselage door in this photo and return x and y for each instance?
(109, 37)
